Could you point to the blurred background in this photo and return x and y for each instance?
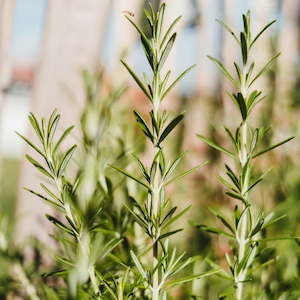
(45, 44)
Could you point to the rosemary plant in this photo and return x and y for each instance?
(246, 230)
(87, 237)
(157, 213)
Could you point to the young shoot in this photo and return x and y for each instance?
(80, 192)
(245, 229)
(156, 213)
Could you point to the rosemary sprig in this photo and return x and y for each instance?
(245, 232)
(156, 213)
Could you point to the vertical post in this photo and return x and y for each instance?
(6, 18)
(288, 43)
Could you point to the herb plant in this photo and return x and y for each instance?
(99, 253)
(156, 213)
(246, 230)
(83, 193)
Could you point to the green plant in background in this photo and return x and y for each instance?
(87, 237)
(156, 213)
(246, 229)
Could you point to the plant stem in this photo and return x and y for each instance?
(23, 279)
(245, 142)
(156, 190)
(155, 283)
(94, 281)
(156, 213)
(242, 240)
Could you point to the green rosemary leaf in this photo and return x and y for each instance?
(154, 123)
(164, 82)
(140, 209)
(249, 73)
(160, 18)
(173, 219)
(222, 273)
(62, 138)
(246, 25)
(229, 30)
(244, 47)
(30, 144)
(166, 51)
(269, 220)
(53, 203)
(52, 125)
(251, 99)
(149, 54)
(149, 17)
(179, 176)
(250, 250)
(223, 69)
(261, 32)
(174, 83)
(142, 168)
(225, 182)
(143, 125)
(264, 68)
(110, 246)
(235, 196)
(238, 71)
(214, 145)
(168, 215)
(163, 236)
(231, 137)
(138, 265)
(54, 273)
(214, 230)
(189, 278)
(222, 219)
(38, 166)
(138, 219)
(257, 227)
(170, 127)
(242, 105)
(142, 34)
(137, 80)
(164, 39)
(273, 146)
(180, 265)
(59, 224)
(233, 177)
(51, 194)
(35, 125)
(65, 160)
(173, 166)
(131, 177)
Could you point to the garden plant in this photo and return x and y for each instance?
(115, 219)
(246, 228)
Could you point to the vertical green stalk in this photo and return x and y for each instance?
(156, 214)
(155, 199)
(243, 159)
(242, 237)
(245, 232)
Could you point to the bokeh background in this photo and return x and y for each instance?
(44, 45)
